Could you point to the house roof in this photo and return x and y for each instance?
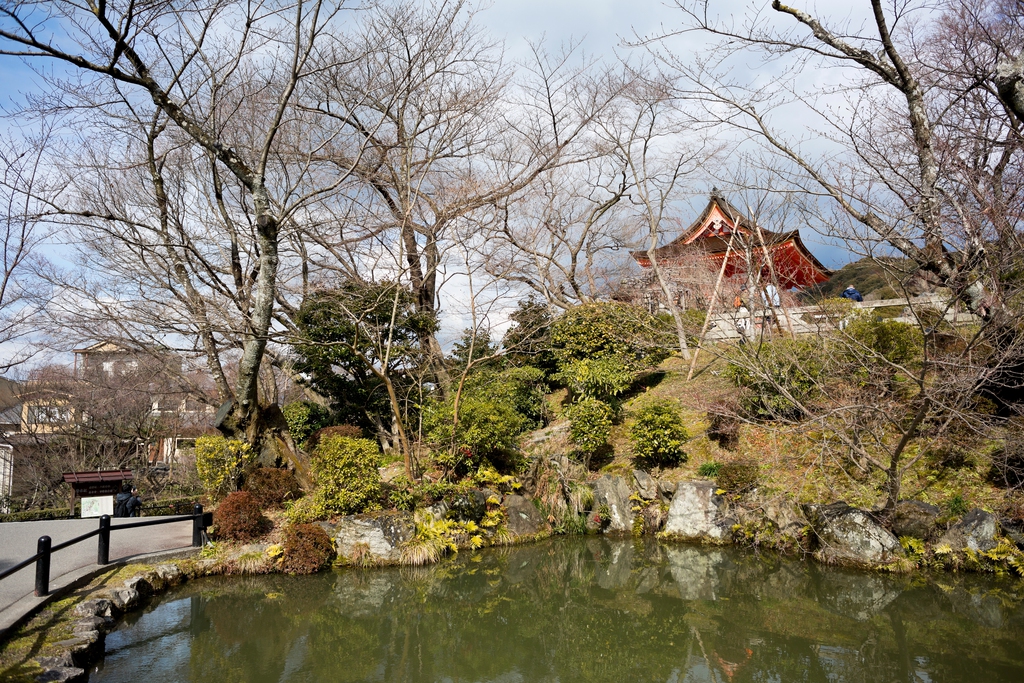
(103, 347)
(93, 477)
(10, 393)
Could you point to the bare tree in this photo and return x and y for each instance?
(223, 79)
(888, 141)
(20, 234)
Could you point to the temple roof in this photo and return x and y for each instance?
(711, 233)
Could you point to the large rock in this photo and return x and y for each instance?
(780, 514)
(848, 535)
(613, 493)
(915, 518)
(977, 531)
(524, 519)
(377, 538)
(697, 513)
(646, 486)
(468, 506)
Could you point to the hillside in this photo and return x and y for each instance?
(868, 275)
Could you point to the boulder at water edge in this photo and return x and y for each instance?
(377, 538)
(524, 519)
(613, 493)
(977, 531)
(915, 518)
(697, 513)
(646, 486)
(848, 535)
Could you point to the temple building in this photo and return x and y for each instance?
(754, 257)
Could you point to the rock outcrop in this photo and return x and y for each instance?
(646, 486)
(915, 518)
(850, 536)
(697, 513)
(613, 493)
(524, 519)
(376, 539)
(976, 531)
(468, 506)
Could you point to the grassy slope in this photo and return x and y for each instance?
(794, 460)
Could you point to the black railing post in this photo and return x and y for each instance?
(43, 567)
(197, 526)
(103, 551)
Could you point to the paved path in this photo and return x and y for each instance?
(18, 542)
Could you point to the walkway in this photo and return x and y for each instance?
(812, 320)
(18, 541)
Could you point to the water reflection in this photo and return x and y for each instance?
(582, 609)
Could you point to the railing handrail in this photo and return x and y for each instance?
(42, 556)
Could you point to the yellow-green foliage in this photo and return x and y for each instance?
(346, 476)
(220, 461)
(435, 538)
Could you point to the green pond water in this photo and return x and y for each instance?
(583, 609)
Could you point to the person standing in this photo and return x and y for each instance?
(852, 294)
(121, 501)
(134, 505)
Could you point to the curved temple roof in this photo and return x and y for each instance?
(709, 237)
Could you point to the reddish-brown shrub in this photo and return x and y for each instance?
(307, 549)
(240, 518)
(271, 486)
(348, 431)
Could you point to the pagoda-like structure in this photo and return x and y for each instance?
(722, 233)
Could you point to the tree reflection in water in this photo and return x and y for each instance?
(580, 609)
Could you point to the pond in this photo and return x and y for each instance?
(579, 609)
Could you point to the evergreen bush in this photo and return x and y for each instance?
(304, 418)
(220, 462)
(658, 436)
(590, 423)
(346, 475)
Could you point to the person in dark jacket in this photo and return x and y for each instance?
(852, 294)
(134, 505)
(121, 501)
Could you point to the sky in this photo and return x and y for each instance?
(603, 26)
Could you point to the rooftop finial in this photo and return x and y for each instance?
(715, 194)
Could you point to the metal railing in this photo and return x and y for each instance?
(44, 547)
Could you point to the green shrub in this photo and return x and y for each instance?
(305, 510)
(600, 330)
(488, 429)
(895, 342)
(271, 486)
(957, 506)
(304, 418)
(240, 518)
(658, 436)
(777, 374)
(600, 378)
(710, 469)
(220, 462)
(346, 475)
(590, 423)
(522, 388)
(738, 476)
(307, 549)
